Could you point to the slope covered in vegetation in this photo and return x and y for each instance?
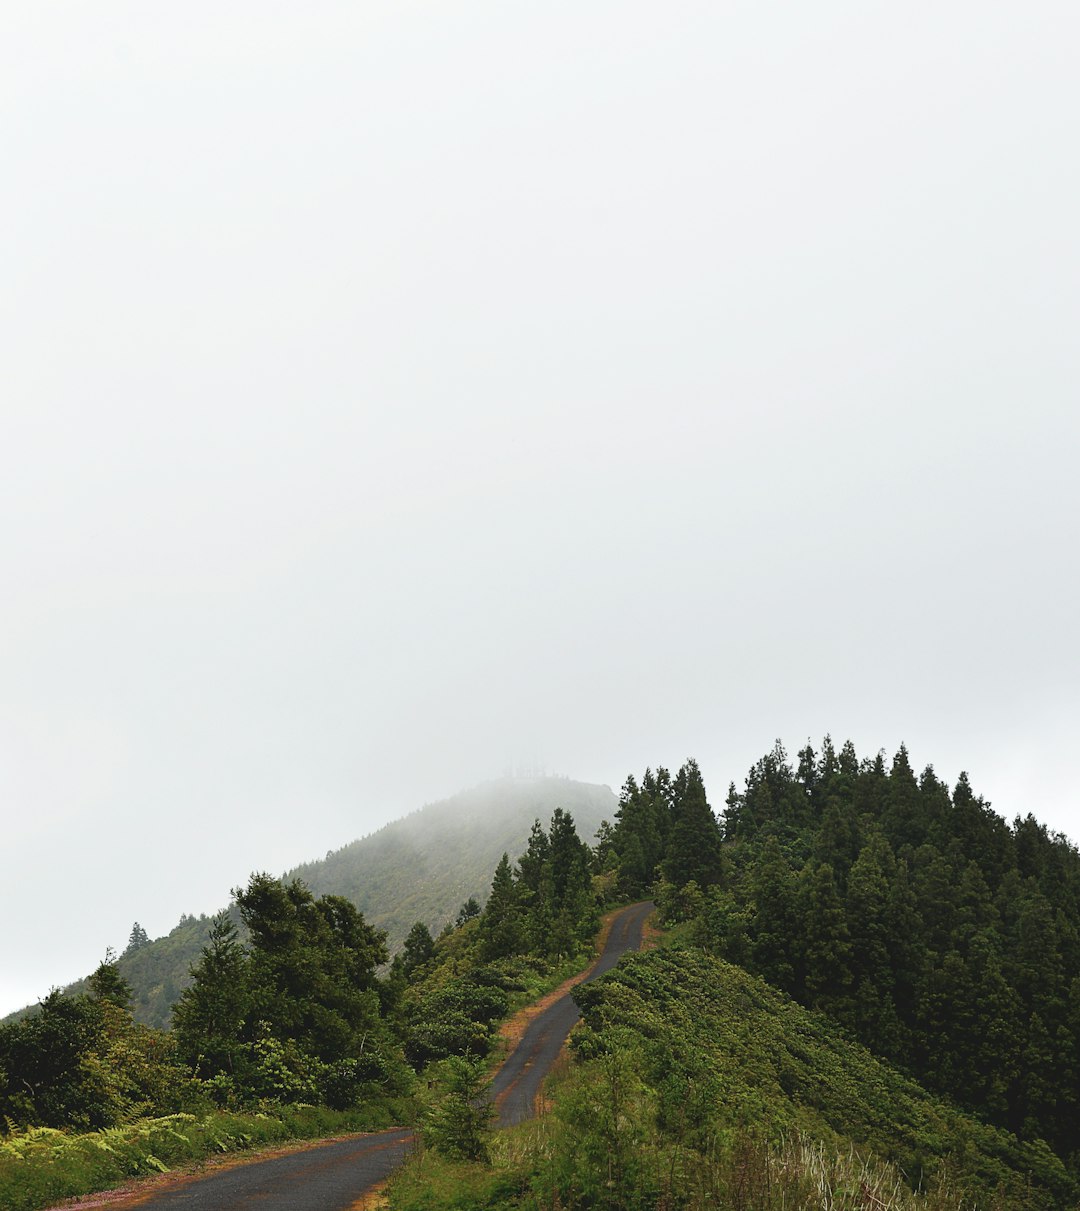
(297, 1010)
(944, 939)
(419, 868)
(696, 1085)
(717, 1049)
(424, 866)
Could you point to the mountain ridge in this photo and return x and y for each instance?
(454, 844)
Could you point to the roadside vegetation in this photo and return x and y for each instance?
(911, 1038)
(303, 1028)
(868, 996)
(42, 1165)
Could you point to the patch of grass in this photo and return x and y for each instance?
(429, 1180)
(41, 1166)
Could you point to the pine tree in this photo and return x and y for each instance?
(137, 940)
(694, 848)
(827, 950)
(419, 947)
(502, 926)
(210, 1016)
(774, 929)
(107, 984)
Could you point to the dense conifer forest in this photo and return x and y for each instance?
(944, 939)
(855, 957)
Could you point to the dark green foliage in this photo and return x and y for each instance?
(420, 867)
(419, 947)
(698, 1047)
(43, 1059)
(503, 926)
(209, 1017)
(666, 829)
(107, 984)
(945, 941)
(136, 940)
(80, 1061)
(692, 852)
(297, 1015)
(454, 1018)
(457, 1122)
(553, 901)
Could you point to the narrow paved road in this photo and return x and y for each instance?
(336, 1176)
(516, 1086)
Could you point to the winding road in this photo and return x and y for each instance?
(338, 1176)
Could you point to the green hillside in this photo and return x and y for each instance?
(721, 1049)
(419, 868)
(698, 1086)
(424, 866)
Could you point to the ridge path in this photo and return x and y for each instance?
(342, 1174)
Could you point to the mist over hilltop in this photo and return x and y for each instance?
(421, 867)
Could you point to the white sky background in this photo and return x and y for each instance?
(387, 390)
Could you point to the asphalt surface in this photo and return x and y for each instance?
(328, 1177)
(516, 1086)
(336, 1176)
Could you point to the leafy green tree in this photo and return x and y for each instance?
(454, 1017)
(867, 912)
(774, 929)
(82, 1062)
(903, 816)
(827, 950)
(838, 840)
(638, 836)
(312, 1018)
(44, 1057)
(533, 861)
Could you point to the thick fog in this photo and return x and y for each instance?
(393, 393)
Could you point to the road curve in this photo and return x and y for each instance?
(516, 1085)
(337, 1176)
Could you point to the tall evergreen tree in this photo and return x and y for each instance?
(502, 926)
(209, 1018)
(694, 849)
(826, 951)
(418, 948)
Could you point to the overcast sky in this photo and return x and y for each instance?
(392, 391)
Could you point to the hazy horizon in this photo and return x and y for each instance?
(392, 393)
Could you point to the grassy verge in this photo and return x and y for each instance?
(40, 1167)
(532, 1171)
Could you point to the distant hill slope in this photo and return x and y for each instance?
(419, 868)
(424, 866)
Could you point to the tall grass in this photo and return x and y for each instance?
(41, 1166)
(532, 1171)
